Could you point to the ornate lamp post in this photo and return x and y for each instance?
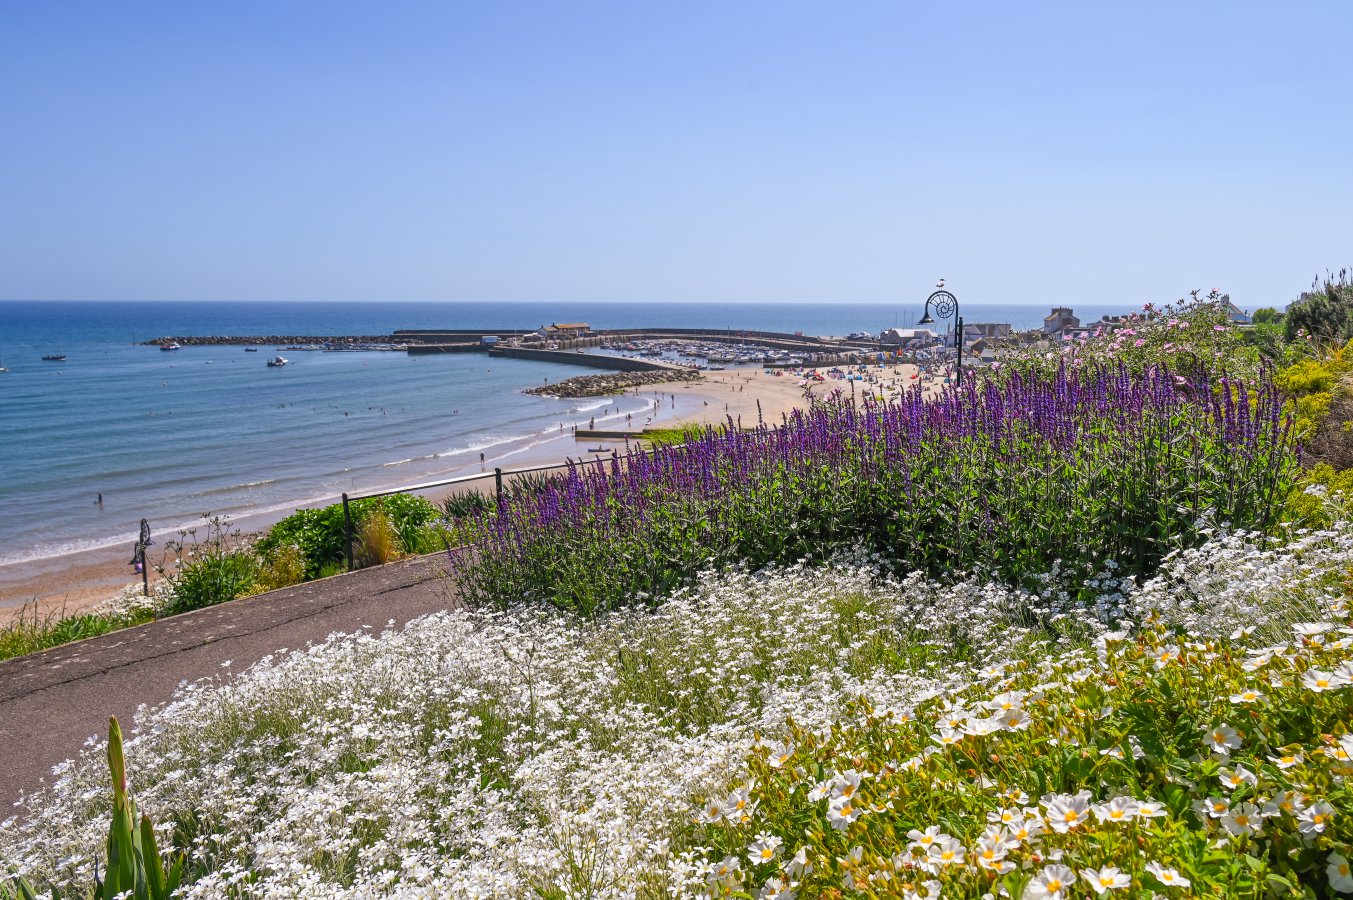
(139, 556)
(946, 305)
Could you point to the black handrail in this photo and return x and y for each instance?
(497, 475)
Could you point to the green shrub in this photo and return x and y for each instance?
(319, 533)
(377, 540)
(282, 567)
(330, 569)
(1325, 314)
(406, 513)
(207, 568)
(438, 536)
(1316, 499)
(213, 579)
(465, 503)
(1309, 376)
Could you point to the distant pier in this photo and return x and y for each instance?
(516, 343)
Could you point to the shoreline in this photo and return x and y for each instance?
(78, 581)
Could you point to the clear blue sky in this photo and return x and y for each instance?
(632, 151)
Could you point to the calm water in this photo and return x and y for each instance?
(169, 436)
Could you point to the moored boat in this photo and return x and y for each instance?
(55, 357)
(276, 362)
(172, 345)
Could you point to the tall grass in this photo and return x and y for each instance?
(33, 629)
(1014, 478)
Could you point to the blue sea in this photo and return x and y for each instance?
(171, 436)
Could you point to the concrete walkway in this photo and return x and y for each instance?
(50, 702)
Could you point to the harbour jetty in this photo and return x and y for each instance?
(285, 341)
(606, 385)
(565, 344)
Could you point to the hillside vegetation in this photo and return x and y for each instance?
(1078, 629)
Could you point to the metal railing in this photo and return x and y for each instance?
(497, 476)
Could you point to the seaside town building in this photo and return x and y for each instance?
(1058, 320)
(908, 338)
(1238, 315)
(564, 330)
(974, 331)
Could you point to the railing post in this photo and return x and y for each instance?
(347, 530)
(498, 484)
(142, 543)
(958, 378)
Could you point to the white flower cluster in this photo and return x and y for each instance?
(529, 753)
(1242, 579)
(131, 602)
(1015, 832)
(505, 754)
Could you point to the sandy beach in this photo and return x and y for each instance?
(79, 581)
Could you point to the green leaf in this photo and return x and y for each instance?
(154, 868)
(121, 871)
(25, 889)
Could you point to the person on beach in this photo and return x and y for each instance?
(481, 459)
(99, 501)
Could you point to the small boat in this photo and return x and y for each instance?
(276, 362)
(172, 345)
(55, 357)
(250, 349)
(598, 449)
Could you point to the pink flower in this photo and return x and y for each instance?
(1139, 343)
(1218, 327)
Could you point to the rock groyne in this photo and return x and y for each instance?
(343, 340)
(605, 385)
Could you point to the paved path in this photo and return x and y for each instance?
(51, 701)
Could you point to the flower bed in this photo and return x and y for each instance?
(1011, 478)
(531, 753)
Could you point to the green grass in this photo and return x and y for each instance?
(31, 630)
